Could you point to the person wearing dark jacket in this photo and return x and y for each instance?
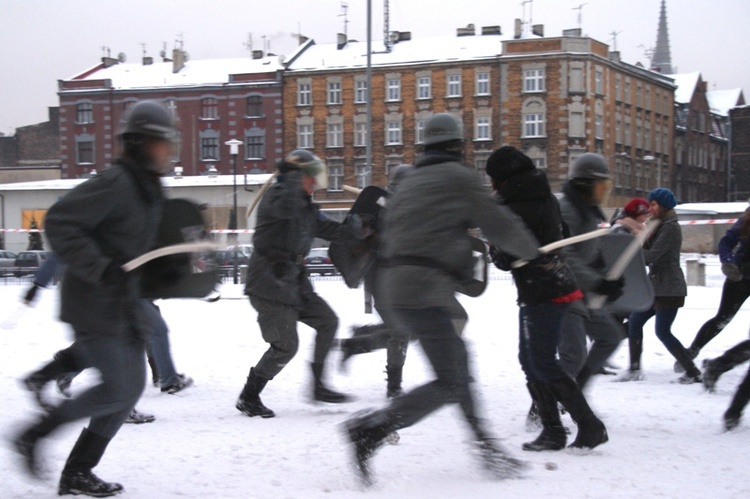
(546, 288)
(662, 255)
(735, 264)
(277, 282)
(95, 229)
(584, 192)
(427, 248)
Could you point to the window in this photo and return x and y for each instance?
(255, 147)
(454, 86)
(335, 135)
(533, 80)
(483, 83)
(334, 92)
(424, 87)
(85, 152)
(577, 128)
(335, 177)
(576, 79)
(360, 91)
(599, 126)
(599, 81)
(304, 91)
(254, 106)
(209, 108)
(420, 131)
(618, 87)
(533, 125)
(85, 112)
(393, 133)
(304, 136)
(363, 174)
(483, 131)
(393, 89)
(480, 165)
(209, 148)
(360, 134)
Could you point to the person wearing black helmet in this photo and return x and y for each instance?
(428, 253)
(95, 229)
(277, 282)
(585, 191)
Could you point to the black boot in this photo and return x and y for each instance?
(249, 401)
(26, 443)
(739, 401)
(553, 435)
(77, 477)
(320, 392)
(364, 339)
(366, 431)
(394, 381)
(591, 431)
(685, 359)
(584, 375)
(713, 369)
(533, 420)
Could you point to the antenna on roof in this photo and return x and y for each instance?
(163, 52)
(648, 52)
(387, 27)
(344, 10)
(580, 11)
(614, 39)
(179, 41)
(249, 43)
(105, 51)
(523, 15)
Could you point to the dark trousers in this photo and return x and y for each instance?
(540, 327)
(604, 332)
(664, 319)
(733, 295)
(278, 325)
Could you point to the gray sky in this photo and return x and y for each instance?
(42, 41)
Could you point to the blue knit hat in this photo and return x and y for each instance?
(663, 197)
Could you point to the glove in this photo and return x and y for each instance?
(113, 273)
(611, 289)
(732, 271)
(501, 260)
(31, 294)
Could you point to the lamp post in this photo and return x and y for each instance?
(234, 148)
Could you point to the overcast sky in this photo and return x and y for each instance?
(42, 41)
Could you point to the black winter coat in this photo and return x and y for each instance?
(113, 217)
(288, 222)
(528, 194)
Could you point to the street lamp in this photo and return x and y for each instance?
(234, 149)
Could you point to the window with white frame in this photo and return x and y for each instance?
(599, 126)
(480, 165)
(576, 126)
(360, 91)
(393, 89)
(533, 125)
(84, 112)
(483, 83)
(538, 156)
(393, 133)
(599, 81)
(335, 176)
(363, 174)
(533, 80)
(304, 136)
(304, 94)
(209, 108)
(419, 132)
(360, 134)
(454, 85)
(335, 135)
(424, 87)
(334, 92)
(483, 128)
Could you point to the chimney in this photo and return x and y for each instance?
(572, 33)
(614, 55)
(517, 29)
(109, 61)
(538, 30)
(147, 60)
(257, 54)
(340, 41)
(491, 30)
(178, 60)
(404, 36)
(467, 31)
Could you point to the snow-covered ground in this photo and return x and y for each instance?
(666, 439)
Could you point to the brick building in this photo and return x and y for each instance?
(740, 153)
(33, 152)
(213, 100)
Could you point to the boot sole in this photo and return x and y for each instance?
(253, 414)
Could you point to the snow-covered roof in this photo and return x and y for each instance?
(429, 49)
(710, 208)
(686, 83)
(167, 182)
(721, 101)
(198, 72)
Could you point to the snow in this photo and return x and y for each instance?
(666, 439)
(686, 83)
(721, 101)
(710, 208)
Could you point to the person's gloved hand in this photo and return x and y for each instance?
(611, 289)
(732, 271)
(501, 260)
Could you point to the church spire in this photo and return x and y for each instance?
(662, 59)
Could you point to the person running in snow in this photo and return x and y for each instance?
(735, 265)
(713, 369)
(546, 288)
(277, 282)
(95, 229)
(427, 251)
(662, 255)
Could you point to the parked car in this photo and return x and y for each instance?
(7, 262)
(317, 261)
(28, 262)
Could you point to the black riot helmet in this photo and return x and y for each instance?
(149, 118)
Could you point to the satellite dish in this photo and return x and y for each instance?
(121, 57)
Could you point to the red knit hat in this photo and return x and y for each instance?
(636, 207)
